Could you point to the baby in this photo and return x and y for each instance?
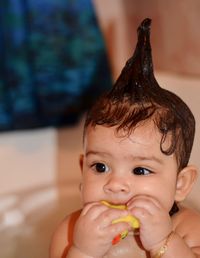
(137, 143)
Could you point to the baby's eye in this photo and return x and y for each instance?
(141, 171)
(100, 167)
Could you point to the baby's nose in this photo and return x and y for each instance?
(117, 184)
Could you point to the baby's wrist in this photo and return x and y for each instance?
(160, 249)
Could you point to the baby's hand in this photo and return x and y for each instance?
(131, 220)
(155, 222)
(94, 231)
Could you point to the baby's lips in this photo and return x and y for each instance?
(120, 207)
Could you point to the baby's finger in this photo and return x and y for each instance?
(141, 213)
(107, 217)
(93, 209)
(147, 202)
(121, 228)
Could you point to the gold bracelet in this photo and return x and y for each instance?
(164, 248)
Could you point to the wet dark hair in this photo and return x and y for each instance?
(136, 97)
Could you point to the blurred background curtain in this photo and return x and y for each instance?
(53, 62)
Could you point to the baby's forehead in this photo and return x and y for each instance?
(142, 144)
(146, 131)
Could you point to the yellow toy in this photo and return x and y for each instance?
(130, 219)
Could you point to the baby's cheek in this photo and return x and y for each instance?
(89, 193)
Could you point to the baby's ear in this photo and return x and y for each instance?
(186, 178)
(81, 162)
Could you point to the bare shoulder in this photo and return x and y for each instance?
(60, 238)
(187, 225)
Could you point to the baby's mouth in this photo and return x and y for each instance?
(114, 205)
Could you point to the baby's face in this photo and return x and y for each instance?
(117, 168)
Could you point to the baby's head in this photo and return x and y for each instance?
(137, 98)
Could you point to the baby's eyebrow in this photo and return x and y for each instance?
(132, 157)
(92, 152)
(147, 158)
